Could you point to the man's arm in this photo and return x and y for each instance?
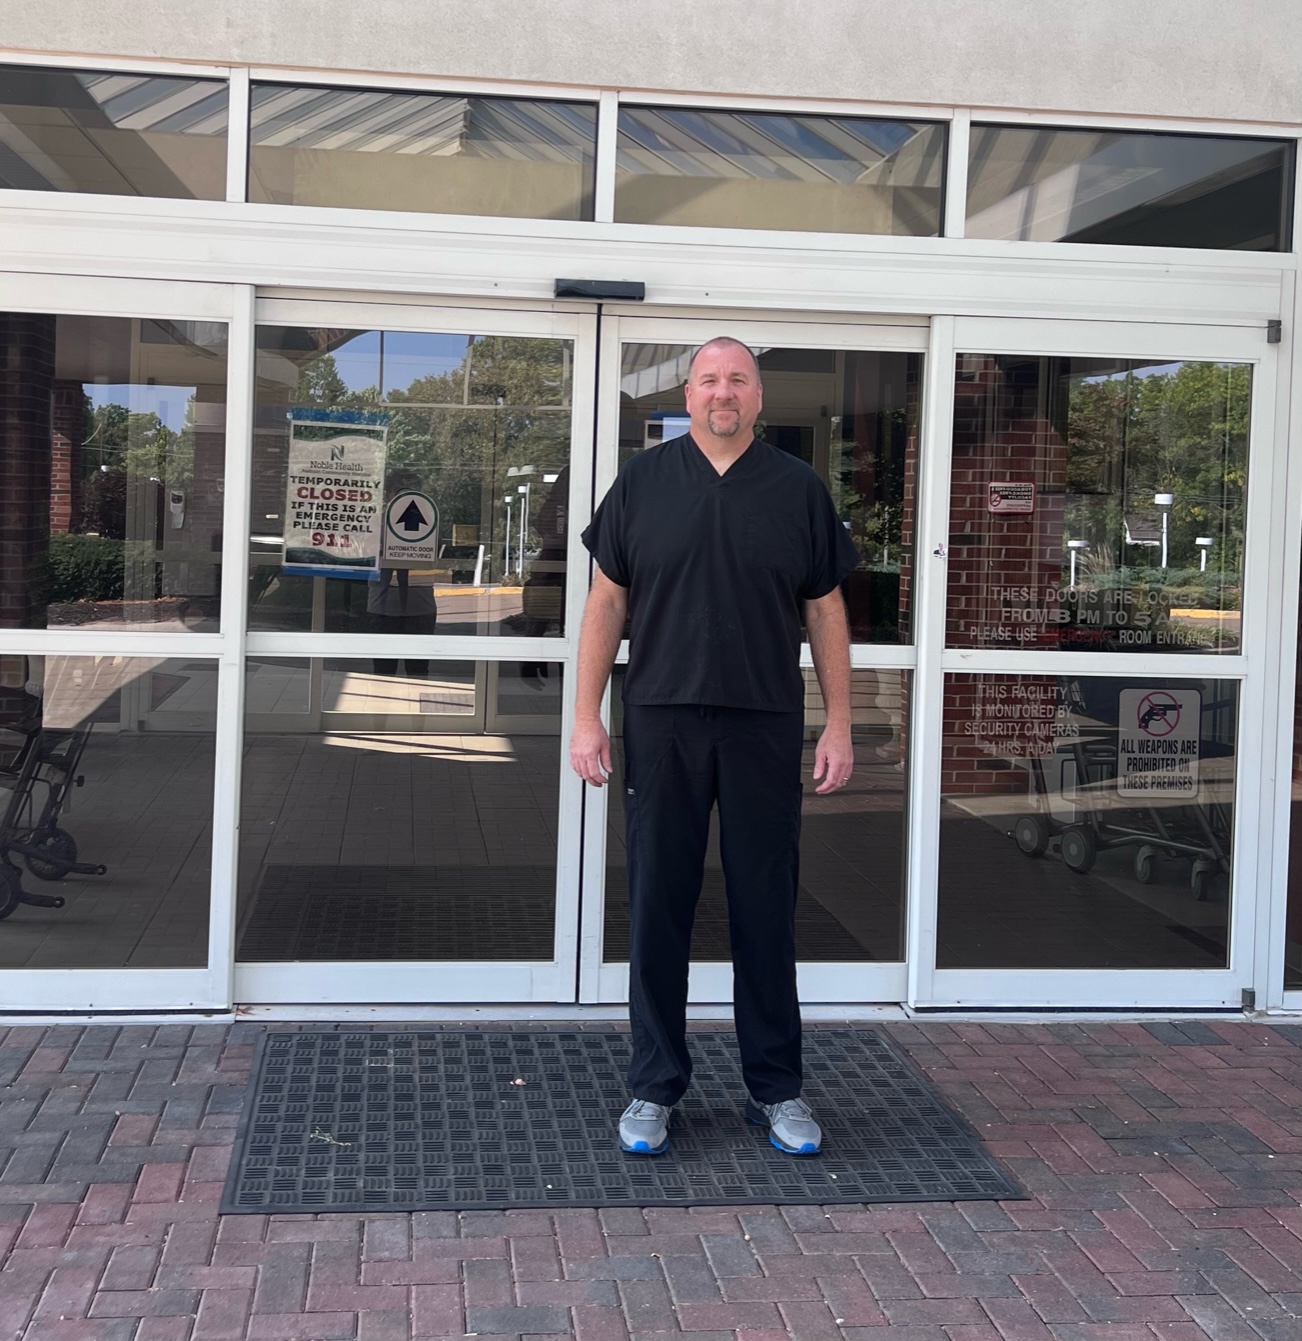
(829, 642)
(603, 627)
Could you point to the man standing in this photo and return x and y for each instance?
(714, 545)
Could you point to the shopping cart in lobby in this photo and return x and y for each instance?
(1078, 814)
(38, 778)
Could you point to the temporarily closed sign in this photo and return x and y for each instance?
(333, 495)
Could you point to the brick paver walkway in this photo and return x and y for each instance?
(1164, 1163)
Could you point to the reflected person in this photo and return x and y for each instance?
(399, 601)
(543, 596)
(714, 545)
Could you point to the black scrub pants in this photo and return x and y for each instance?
(679, 761)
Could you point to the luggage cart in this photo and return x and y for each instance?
(47, 759)
(1078, 815)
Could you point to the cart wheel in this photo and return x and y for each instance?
(1200, 880)
(1031, 834)
(1079, 848)
(1144, 859)
(61, 846)
(11, 889)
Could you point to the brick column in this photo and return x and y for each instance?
(1004, 572)
(67, 433)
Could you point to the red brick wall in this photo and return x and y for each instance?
(999, 570)
(26, 388)
(67, 433)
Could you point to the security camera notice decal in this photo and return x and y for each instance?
(1157, 742)
(1011, 496)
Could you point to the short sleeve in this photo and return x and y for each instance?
(604, 537)
(834, 556)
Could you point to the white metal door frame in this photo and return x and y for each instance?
(446, 981)
(820, 983)
(1255, 668)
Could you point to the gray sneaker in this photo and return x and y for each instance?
(644, 1128)
(791, 1125)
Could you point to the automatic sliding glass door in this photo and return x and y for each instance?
(844, 399)
(406, 806)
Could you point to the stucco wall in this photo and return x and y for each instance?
(1230, 59)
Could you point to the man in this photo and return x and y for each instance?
(714, 544)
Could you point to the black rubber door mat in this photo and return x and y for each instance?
(411, 1120)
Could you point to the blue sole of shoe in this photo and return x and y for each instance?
(642, 1148)
(806, 1149)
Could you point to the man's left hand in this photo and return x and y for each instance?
(833, 760)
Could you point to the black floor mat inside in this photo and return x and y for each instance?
(352, 913)
(408, 1120)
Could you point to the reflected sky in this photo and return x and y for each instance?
(169, 403)
(393, 360)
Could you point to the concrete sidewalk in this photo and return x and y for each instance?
(1164, 1162)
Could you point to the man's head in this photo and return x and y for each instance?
(723, 391)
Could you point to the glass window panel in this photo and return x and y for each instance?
(1097, 505)
(395, 818)
(852, 845)
(112, 134)
(822, 174)
(445, 507)
(522, 157)
(106, 762)
(852, 416)
(1133, 188)
(113, 445)
(1086, 822)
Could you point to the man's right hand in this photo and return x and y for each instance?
(590, 751)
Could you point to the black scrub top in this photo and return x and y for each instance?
(717, 569)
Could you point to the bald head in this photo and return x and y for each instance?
(725, 342)
(723, 394)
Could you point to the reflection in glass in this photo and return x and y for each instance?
(1293, 913)
(410, 483)
(522, 157)
(112, 134)
(851, 904)
(113, 446)
(1098, 504)
(852, 416)
(398, 816)
(824, 174)
(106, 779)
(1086, 822)
(1133, 188)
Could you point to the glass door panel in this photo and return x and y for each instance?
(405, 806)
(1098, 505)
(390, 845)
(851, 906)
(1107, 498)
(1087, 822)
(845, 400)
(431, 469)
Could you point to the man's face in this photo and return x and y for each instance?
(723, 393)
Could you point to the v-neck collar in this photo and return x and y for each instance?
(707, 466)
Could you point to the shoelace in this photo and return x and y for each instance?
(793, 1108)
(639, 1108)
